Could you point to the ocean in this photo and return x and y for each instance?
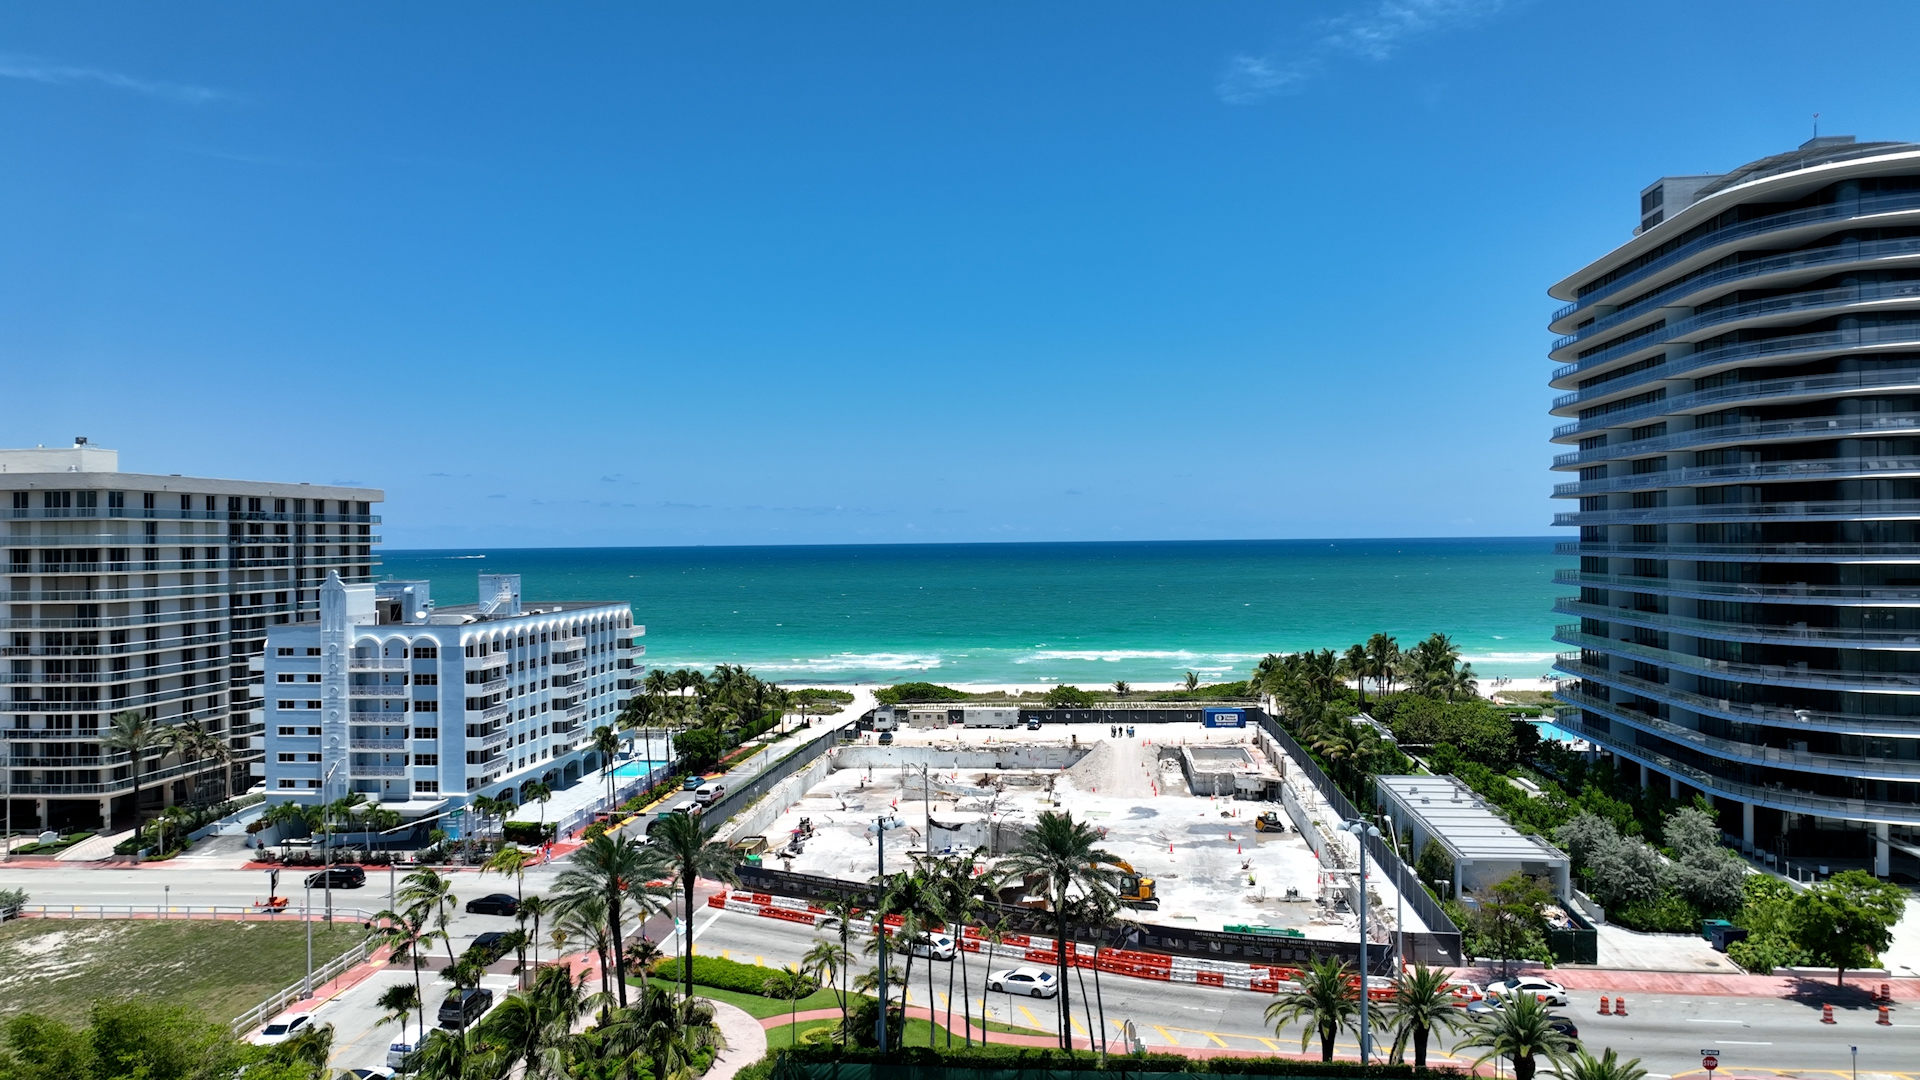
(1080, 613)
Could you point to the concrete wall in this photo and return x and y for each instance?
(753, 821)
(1008, 756)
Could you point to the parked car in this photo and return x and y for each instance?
(340, 877)
(662, 816)
(1025, 981)
(281, 1030)
(398, 1054)
(487, 948)
(933, 946)
(1565, 1027)
(1033, 724)
(692, 783)
(708, 794)
(375, 1073)
(1531, 985)
(886, 739)
(494, 904)
(463, 1007)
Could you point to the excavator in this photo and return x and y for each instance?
(1136, 889)
(1269, 821)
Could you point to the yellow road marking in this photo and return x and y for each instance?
(760, 961)
(1032, 1020)
(1218, 1041)
(945, 1002)
(1167, 1035)
(1270, 1043)
(1077, 1025)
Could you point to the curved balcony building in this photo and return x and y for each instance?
(1740, 384)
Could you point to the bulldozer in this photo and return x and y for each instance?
(1269, 821)
(1136, 889)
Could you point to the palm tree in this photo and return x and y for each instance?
(1193, 681)
(826, 961)
(1327, 997)
(662, 1034)
(612, 869)
(1462, 684)
(400, 999)
(1099, 911)
(190, 741)
(642, 952)
(994, 933)
(430, 894)
(1121, 688)
(909, 930)
(1384, 654)
(584, 918)
(1519, 1031)
(844, 911)
(692, 853)
(1065, 853)
(1608, 1066)
(607, 744)
(410, 934)
(514, 861)
(1355, 665)
(535, 791)
(953, 881)
(530, 1029)
(1421, 1004)
(535, 908)
(791, 985)
(311, 1047)
(136, 735)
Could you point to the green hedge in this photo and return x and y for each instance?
(1000, 1058)
(528, 832)
(724, 974)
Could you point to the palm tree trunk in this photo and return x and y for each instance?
(905, 983)
(992, 947)
(932, 1013)
(686, 943)
(1523, 1067)
(1103, 1006)
(958, 952)
(1063, 1009)
(619, 947)
(1419, 1047)
(966, 1007)
(1086, 1003)
(1326, 1043)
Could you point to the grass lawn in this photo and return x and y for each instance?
(762, 1007)
(59, 967)
(917, 1032)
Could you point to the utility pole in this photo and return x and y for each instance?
(1361, 830)
(306, 913)
(926, 805)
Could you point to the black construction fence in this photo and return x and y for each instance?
(740, 798)
(1173, 940)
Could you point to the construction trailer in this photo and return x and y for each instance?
(991, 716)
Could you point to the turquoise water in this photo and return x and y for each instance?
(630, 769)
(1086, 613)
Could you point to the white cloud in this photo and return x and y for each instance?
(42, 71)
(1374, 32)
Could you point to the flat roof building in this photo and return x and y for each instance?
(421, 708)
(1483, 847)
(138, 591)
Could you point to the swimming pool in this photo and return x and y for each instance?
(629, 770)
(1557, 734)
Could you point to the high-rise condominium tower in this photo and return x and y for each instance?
(1742, 398)
(137, 592)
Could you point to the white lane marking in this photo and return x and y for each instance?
(1697, 1020)
(1737, 1042)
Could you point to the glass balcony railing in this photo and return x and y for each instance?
(1845, 510)
(1807, 305)
(1815, 427)
(1812, 215)
(1766, 714)
(1763, 390)
(1785, 593)
(1769, 472)
(1777, 553)
(1764, 633)
(1808, 677)
(1801, 346)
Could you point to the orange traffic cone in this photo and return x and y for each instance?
(1826, 1014)
(1237, 850)
(1605, 1009)
(1885, 993)
(1620, 1006)
(1884, 1021)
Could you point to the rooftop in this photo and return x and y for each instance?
(1449, 810)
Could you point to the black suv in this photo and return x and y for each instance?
(338, 877)
(463, 1007)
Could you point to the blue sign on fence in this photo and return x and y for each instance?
(1224, 718)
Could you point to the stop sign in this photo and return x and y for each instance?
(1709, 1063)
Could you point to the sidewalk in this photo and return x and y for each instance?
(1682, 984)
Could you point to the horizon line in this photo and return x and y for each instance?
(1330, 540)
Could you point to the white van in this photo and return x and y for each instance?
(708, 794)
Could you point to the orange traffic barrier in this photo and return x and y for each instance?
(1605, 1009)
(1209, 978)
(1826, 1014)
(1884, 1021)
(1620, 1006)
(1885, 994)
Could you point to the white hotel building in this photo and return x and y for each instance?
(421, 708)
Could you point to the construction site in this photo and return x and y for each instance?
(1204, 825)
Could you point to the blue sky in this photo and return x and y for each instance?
(592, 274)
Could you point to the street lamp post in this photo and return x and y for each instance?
(306, 913)
(1361, 830)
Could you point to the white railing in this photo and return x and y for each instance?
(190, 912)
(301, 990)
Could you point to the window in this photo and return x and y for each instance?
(313, 704)
(426, 733)
(285, 676)
(426, 787)
(313, 677)
(313, 783)
(426, 652)
(283, 651)
(313, 757)
(284, 704)
(426, 706)
(313, 652)
(426, 679)
(286, 731)
(289, 757)
(314, 731)
(146, 501)
(426, 759)
(286, 783)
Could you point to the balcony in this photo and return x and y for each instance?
(1814, 215)
(1771, 634)
(1778, 798)
(1752, 713)
(1763, 390)
(1789, 593)
(1759, 472)
(1776, 553)
(1819, 427)
(377, 663)
(1873, 682)
(1849, 510)
(379, 690)
(379, 770)
(1794, 346)
(377, 744)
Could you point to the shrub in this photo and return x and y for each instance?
(528, 832)
(699, 746)
(724, 974)
(1068, 697)
(1761, 955)
(909, 692)
(597, 829)
(1037, 1061)
(1669, 914)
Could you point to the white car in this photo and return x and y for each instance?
(1531, 986)
(1026, 981)
(934, 946)
(398, 1053)
(282, 1029)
